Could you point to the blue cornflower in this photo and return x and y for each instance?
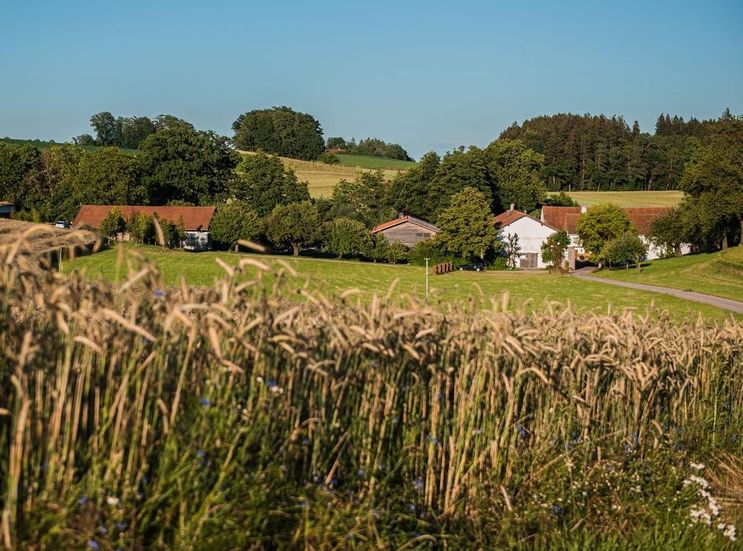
(205, 402)
(102, 530)
(121, 526)
(556, 510)
(159, 293)
(93, 544)
(272, 384)
(82, 501)
(523, 433)
(418, 484)
(201, 454)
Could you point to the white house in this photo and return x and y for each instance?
(532, 233)
(566, 218)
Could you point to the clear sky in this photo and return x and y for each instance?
(426, 74)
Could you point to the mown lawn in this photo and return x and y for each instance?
(712, 273)
(331, 277)
(628, 198)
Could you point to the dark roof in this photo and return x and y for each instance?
(194, 218)
(401, 220)
(566, 218)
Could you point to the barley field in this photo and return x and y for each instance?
(628, 198)
(141, 416)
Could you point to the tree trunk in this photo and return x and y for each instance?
(295, 249)
(724, 241)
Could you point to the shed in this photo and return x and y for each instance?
(406, 229)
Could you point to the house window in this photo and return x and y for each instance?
(421, 234)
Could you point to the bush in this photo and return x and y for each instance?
(113, 224)
(141, 229)
(432, 249)
(553, 249)
(626, 249)
(329, 158)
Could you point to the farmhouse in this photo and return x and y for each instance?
(531, 233)
(406, 229)
(195, 220)
(566, 218)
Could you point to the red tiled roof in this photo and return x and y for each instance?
(643, 217)
(566, 218)
(194, 218)
(505, 218)
(561, 218)
(401, 220)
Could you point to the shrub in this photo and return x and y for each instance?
(432, 249)
(626, 249)
(329, 158)
(113, 224)
(553, 249)
(140, 228)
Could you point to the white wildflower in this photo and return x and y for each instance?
(112, 501)
(697, 466)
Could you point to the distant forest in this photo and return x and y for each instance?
(595, 152)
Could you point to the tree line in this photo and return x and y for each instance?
(595, 152)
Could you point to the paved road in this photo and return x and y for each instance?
(724, 303)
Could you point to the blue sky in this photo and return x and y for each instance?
(426, 74)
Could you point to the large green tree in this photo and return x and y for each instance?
(281, 131)
(232, 222)
(179, 163)
(347, 237)
(466, 225)
(409, 191)
(108, 177)
(601, 224)
(458, 170)
(364, 199)
(515, 173)
(295, 225)
(264, 182)
(713, 182)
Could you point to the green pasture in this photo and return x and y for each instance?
(332, 277)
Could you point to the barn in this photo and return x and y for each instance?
(195, 220)
(406, 229)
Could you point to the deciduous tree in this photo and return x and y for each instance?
(295, 225)
(233, 221)
(466, 226)
(600, 224)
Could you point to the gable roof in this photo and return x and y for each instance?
(508, 217)
(403, 219)
(194, 218)
(561, 218)
(566, 218)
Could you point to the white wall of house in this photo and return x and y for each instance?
(196, 241)
(532, 234)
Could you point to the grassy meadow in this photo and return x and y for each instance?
(43, 144)
(147, 416)
(321, 178)
(374, 163)
(332, 277)
(719, 273)
(628, 198)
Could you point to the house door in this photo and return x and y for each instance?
(529, 261)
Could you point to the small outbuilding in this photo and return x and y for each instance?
(531, 233)
(406, 229)
(6, 209)
(195, 220)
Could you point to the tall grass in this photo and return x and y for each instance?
(137, 416)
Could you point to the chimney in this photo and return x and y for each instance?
(511, 207)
